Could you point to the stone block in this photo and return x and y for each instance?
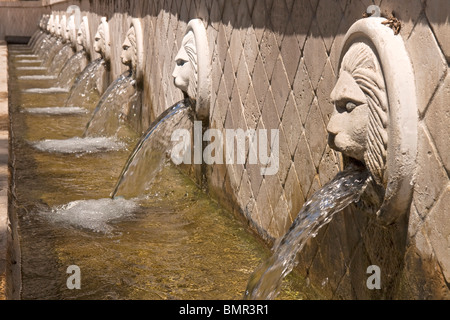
(438, 231)
(329, 166)
(430, 175)
(280, 86)
(293, 193)
(264, 208)
(281, 218)
(290, 53)
(242, 78)
(275, 191)
(269, 113)
(221, 106)
(269, 51)
(316, 133)
(304, 164)
(326, 85)
(291, 124)
(426, 55)
(301, 16)
(437, 119)
(236, 48)
(250, 49)
(438, 18)
(260, 81)
(251, 109)
(245, 190)
(314, 54)
(303, 91)
(328, 15)
(228, 73)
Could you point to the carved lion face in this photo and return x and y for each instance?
(99, 40)
(358, 125)
(185, 71)
(129, 50)
(81, 35)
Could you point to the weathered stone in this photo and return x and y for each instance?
(438, 231)
(430, 178)
(437, 119)
(425, 54)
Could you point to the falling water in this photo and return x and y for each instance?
(149, 154)
(71, 69)
(47, 43)
(343, 190)
(108, 116)
(88, 86)
(41, 39)
(48, 48)
(36, 35)
(59, 60)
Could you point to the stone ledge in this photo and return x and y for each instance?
(4, 136)
(21, 4)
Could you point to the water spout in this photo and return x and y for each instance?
(152, 150)
(345, 189)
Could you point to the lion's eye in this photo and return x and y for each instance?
(345, 105)
(349, 106)
(180, 62)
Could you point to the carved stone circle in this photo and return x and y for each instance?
(376, 118)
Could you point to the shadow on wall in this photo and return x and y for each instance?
(272, 14)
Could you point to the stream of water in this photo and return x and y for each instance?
(152, 151)
(333, 197)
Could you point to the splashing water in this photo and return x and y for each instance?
(49, 50)
(110, 113)
(88, 86)
(31, 55)
(56, 110)
(79, 145)
(149, 154)
(25, 61)
(93, 214)
(37, 77)
(50, 90)
(59, 60)
(32, 68)
(337, 194)
(71, 69)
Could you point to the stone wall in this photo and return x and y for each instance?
(274, 64)
(19, 18)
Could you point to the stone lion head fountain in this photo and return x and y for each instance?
(71, 31)
(375, 117)
(83, 36)
(132, 49)
(43, 22)
(50, 24)
(55, 24)
(61, 26)
(192, 72)
(102, 42)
